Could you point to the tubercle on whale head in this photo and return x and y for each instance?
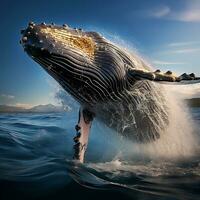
(56, 39)
(69, 56)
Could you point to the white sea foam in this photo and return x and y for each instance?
(179, 139)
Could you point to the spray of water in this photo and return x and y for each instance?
(177, 139)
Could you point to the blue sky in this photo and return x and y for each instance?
(164, 32)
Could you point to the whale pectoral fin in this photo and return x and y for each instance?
(163, 77)
(82, 129)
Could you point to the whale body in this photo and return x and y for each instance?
(110, 84)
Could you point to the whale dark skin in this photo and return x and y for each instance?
(110, 84)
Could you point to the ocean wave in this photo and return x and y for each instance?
(39, 153)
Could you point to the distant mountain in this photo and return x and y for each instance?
(48, 108)
(194, 102)
(6, 108)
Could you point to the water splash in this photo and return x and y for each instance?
(65, 99)
(179, 140)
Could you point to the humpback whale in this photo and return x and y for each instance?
(109, 83)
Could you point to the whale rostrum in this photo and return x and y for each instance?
(110, 84)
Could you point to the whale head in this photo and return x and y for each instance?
(85, 64)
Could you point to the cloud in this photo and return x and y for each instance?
(160, 12)
(191, 13)
(180, 48)
(160, 62)
(6, 96)
(23, 105)
(184, 50)
(180, 44)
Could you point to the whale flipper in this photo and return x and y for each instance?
(163, 77)
(82, 135)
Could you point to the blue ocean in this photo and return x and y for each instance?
(36, 162)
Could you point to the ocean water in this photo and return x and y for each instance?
(36, 153)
